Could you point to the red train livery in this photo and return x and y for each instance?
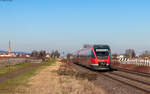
(97, 57)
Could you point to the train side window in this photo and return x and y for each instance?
(92, 54)
(89, 53)
(77, 55)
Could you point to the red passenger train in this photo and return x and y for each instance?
(97, 57)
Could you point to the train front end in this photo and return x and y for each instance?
(101, 57)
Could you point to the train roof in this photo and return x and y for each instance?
(101, 46)
(98, 46)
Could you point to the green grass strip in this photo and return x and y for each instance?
(9, 69)
(9, 86)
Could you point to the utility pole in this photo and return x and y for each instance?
(9, 48)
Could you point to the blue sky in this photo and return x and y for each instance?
(68, 24)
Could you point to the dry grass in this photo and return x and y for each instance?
(60, 79)
(67, 69)
(73, 82)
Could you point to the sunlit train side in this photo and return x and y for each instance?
(97, 57)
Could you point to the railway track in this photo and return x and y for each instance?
(146, 90)
(130, 81)
(127, 77)
(138, 84)
(134, 72)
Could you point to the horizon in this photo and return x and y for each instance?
(63, 52)
(68, 25)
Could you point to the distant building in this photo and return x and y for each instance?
(48, 55)
(22, 55)
(120, 56)
(27, 55)
(11, 54)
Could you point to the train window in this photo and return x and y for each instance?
(77, 55)
(106, 53)
(92, 54)
(89, 53)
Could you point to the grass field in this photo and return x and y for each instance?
(9, 86)
(9, 69)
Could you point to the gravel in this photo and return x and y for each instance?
(110, 86)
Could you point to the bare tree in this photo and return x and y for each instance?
(86, 45)
(39, 54)
(42, 53)
(145, 54)
(55, 54)
(130, 53)
(34, 53)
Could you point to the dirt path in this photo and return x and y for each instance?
(48, 81)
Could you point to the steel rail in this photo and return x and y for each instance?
(126, 83)
(133, 79)
(134, 72)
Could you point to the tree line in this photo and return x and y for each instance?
(42, 54)
(130, 53)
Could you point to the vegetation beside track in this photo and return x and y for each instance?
(9, 86)
(57, 78)
(67, 69)
(75, 82)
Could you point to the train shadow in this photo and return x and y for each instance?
(110, 70)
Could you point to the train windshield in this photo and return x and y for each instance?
(102, 52)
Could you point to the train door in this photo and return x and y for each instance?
(88, 58)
